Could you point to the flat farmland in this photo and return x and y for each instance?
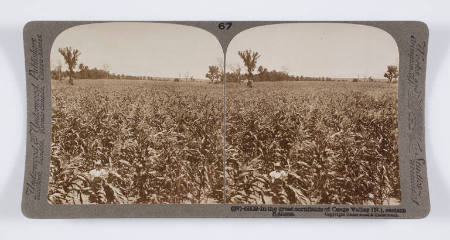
(336, 141)
(131, 141)
(135, 141)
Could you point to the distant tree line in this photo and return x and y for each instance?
(85, 72)
(215, 72)
(272, 76)
(250, 60)
(95, 73)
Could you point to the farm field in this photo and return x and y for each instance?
(126, 141)
(335, 142)
(145, 142)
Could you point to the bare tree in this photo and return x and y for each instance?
(392, 73)
(106, 68)
(221, 66)
(235, 72)
(250, 59)
(59, 70)
(71, 57)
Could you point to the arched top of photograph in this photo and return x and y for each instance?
(135, 50)
(313, 51)
(135, 116)
(312, 115)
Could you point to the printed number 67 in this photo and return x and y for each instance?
(225, 25)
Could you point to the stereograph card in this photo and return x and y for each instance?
(225, 119)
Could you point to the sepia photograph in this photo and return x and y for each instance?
(137, 115)
(311, 115)
(149, 113)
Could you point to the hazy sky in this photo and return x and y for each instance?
(170, 50)
(150, 49)
(318, 49)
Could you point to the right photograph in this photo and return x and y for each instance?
(311, 115)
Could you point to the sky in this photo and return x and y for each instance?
(169, 50)
(141, 49)
(318, 49)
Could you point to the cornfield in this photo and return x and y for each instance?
(136, 142)
(144, 142)
(336, 142)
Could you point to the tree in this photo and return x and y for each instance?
(71, 57)
(220, 64)
(234, 74)
(59, 70)
(237, 71)
(84, 70)
(392, 73)
(250, 59)
(262, 70)
(213, 73)
(106, 68)
(262, 74)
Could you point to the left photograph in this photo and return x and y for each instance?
(137, 115)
